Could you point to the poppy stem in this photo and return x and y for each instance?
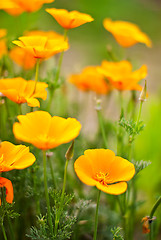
(46, 193)
(101, 124)
(62, 198)
(156, 205)
(37, 73)
(60, 59)
(52, 172)
(3, 230)
(96, 216)
(139, 115)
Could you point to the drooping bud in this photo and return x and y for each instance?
(143, 93)
(70, 152)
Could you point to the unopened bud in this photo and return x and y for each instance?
(70, 152)
(143, 93)
(49, 154)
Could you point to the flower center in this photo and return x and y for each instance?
(102, 178)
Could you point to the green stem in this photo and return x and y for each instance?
(8, 113)
(37, 73)
(46, 193)
(8, 219)
(156, 205)
(57, 72)
(60, 59)
(62, 198)
(52, 172)
(102, 127)
(96, 216)
(3, 230)
(139, 115)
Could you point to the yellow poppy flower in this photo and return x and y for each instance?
(126, 34)
(42, 47)
(90, 79)
(45, 132)
(120, 75)
(71, 19)
(20, 91)
(14, 157)
(101, 168)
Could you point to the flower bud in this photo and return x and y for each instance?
(70, 152)
(143, 93)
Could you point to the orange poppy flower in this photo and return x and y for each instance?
(90, 79)
(9, 189)
(20, 91)
(120, 75)
(42, 47)
(22, 57)
(14, 157)
(16, 7)
(126, 34)
(71, 19)
(8, 4)
(101, 168)
(45, 132)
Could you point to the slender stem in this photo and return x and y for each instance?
(60, 59)
(52, 172)
(3, 230)
(156, 205)
(46, 193)
(8, 113)
(96, 216)
(139, 115)
(102, 128)
(20, 109)
(62, 198)
(37, 73)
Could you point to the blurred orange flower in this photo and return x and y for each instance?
(16, 7)
(45, 132)
(20, 91)
(42, 47)
(120, 75)
(146, 226)
(90, 79)
(101, 168)
(8, 4)
(71, 19)
(126, 34)
(14, 157)
(9, 189)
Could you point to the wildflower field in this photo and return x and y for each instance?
(80, 100)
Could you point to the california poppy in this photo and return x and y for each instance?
(42, 47)
(16, 7)
(126, 34)
(101, 168)
(9, 189)
(45, 132)
(71, 19)
(121, 76)
(20, 91)
(90, 79)
(14, 157)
